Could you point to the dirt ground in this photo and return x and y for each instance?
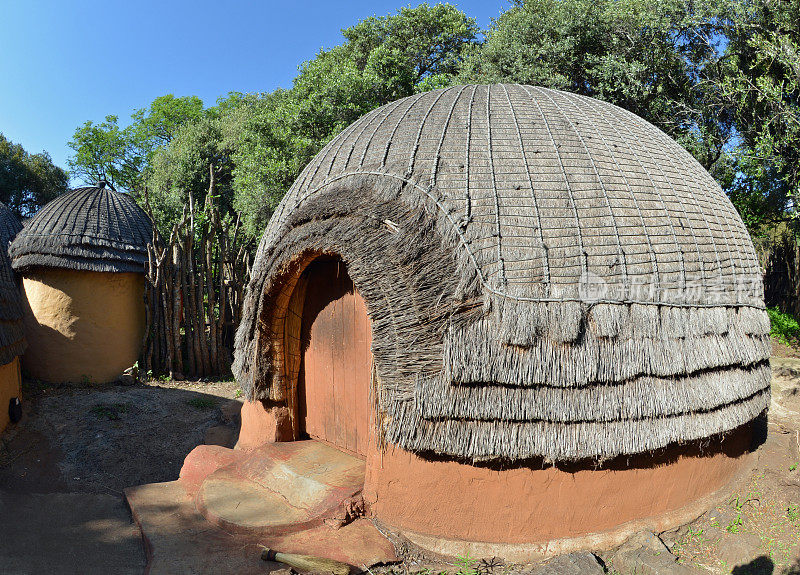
(103, 439)
(756, 531)
(64, 466)
(63, 469)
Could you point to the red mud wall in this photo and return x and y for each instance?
(527, 505)
(457, 501)
(262, 423)
(9, 388)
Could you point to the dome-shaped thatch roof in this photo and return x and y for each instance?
(91, 229)
(10, 226)
(546, 274)
(12, 337)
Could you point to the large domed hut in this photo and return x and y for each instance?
(12, 338)
(82, 259)
(533, 316)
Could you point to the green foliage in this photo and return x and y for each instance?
(651, 58)
(268, 151)
(28, 181)
(202, 403)
(759, 84)
(466, 565)
(382, 59)
(110, 411)
(181, 169)
(105, 151)
(735, 525)
(784, 327)
(155, 126)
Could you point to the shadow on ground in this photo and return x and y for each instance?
(64, 466)
(764, 566)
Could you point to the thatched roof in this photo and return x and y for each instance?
(547, 275)
(91, 228)
(12, 337)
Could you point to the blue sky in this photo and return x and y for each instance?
(62, 63)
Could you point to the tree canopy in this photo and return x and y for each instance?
(28, 181)
(259, 143)
(721, 77)
(653, 58)
(760, 87)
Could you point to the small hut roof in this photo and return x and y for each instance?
(547, 275)
(91, 228)
(12, 337)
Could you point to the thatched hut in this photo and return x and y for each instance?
(12, 338)
(82, 259)
(564, 310)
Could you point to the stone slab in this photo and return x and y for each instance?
(179, 540)
(573, 564)
(277, 488)
(201, 462)
(243, 506)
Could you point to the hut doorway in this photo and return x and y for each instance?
(333, 384)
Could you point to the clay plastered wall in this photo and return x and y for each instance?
(82, 326)
(452, 501)
(455, 501)
(9, 388)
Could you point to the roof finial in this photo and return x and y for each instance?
(105, 183)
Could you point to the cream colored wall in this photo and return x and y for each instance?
(82, 326)
(9, 388)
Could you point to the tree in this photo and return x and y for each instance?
(760, 86)
(28, 181)
(383, 59)
(273, 136)
(268, 151)
(651, 58)
(179, 172)
(104, 151)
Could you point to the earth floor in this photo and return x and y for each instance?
(64, 466)
(756, 530)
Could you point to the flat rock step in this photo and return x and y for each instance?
(278, 488)
(178, 540)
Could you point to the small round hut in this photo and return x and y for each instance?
(534, 315)
(82, 259)
(12, 338)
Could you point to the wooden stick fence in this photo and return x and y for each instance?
(194, 290)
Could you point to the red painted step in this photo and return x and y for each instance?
(276, 489)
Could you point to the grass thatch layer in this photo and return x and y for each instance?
(513, 440)
(405, 274)
(12, 336)
(471, 221)
(449, 384)
(90, 229)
